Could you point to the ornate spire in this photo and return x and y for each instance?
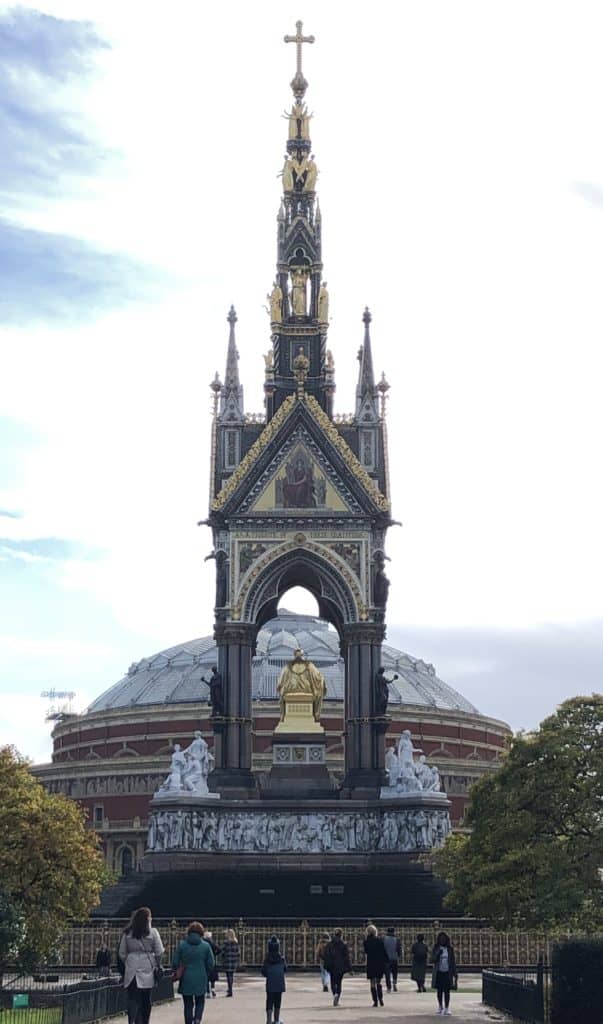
(231, 397)
(366, 392)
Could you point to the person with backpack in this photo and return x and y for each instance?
(320, 957)
(274, 969)
(393, 948)
(140, 951)
(337, 962)
(193, 960)
(376, 960)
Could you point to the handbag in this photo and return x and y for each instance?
(158, 971)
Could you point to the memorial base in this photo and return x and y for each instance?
(299, 768)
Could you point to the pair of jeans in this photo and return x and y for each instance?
(139, 1004)
(199, 1006)
(391, 974)
(443, 986)
(273, 1002)
(336, 983)
(229, 981)
(324, 975)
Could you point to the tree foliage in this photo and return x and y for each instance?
(534, 856)
(51, 869)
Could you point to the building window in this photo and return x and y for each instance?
(231, 449)
(367, 449)
(99, 814)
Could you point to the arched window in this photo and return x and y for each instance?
(126, 861)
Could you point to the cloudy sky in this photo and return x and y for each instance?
(461, 185)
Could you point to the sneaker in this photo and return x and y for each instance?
(395, 988)
(336, 1000)
(447, 1012)
(325, 988)
(440, 1011)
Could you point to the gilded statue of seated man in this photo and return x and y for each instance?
(301, 676)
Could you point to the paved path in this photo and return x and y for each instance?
(304, 1002)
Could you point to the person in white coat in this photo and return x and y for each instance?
(140, 951)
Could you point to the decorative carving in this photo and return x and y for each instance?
(276, 305)
(221, 558)
(298, 292)
(248, 554)
(256, 449)
(323, 315)
(189, 770)
(405, 775)
(350, 554)
(216, 692)
(381, 582)
(329, 832)
(346, 452)
(382, 685)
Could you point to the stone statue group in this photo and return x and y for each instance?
(406, 775)
(189, 769)
(395, 831)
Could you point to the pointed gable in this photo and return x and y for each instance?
(300, 461)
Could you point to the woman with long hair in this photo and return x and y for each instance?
(320, 956)
(140, 950)
(376, 962)
(193, 959)
(230, 957)
(337, 962)
(444, 971)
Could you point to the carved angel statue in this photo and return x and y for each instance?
(269, 360)
(311, 175)
(323, 310)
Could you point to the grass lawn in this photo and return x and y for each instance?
(32, 1015)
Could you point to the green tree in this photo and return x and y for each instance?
(51, 868)
(534, 855)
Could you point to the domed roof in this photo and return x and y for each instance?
(176, 676)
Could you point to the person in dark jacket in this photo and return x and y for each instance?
(393, 948)
(418, 969)
(273, 970)
(230, 957)
(103, 960)
(194, 955)
(337, 963)
(212, 974)
(444, 971)
(376, 962)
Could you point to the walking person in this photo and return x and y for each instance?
(444, 972)
(393, 948)
(103, 960)
(320, 957)
(193, 960)
(337, 962)
(418, 969)
(212, 974)
(231, 956)
(140, 950)
(376, 960)
(274, 969)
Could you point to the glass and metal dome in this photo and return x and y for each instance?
(177, 676)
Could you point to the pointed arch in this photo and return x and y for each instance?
(310, 566)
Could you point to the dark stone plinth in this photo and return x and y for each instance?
(233, 783)
(298, 769)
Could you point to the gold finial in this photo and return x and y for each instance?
(298, 83)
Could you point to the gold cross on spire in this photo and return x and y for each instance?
(299, 84)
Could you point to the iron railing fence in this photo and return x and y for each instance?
(476, 946)
(67, 1001)
(524, 994)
